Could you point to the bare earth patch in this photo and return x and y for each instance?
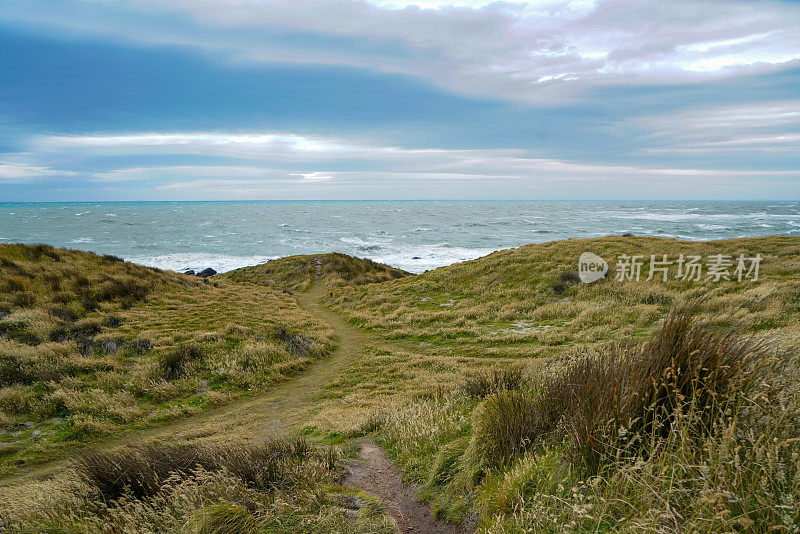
(378, 475)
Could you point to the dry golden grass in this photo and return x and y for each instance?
(92, 346)
(301, 272)
(516, 303)
(281, 487)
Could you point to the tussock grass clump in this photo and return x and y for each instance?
(506, 424)
(39, 252)
(222, 518)
(282, 487)
(690, 362)
(22, 364)
(622, 396)
(739, 475)
(488, 381)
(21, 400)
(175, 361)
(142, 471)
(127, 289)
(564, 281)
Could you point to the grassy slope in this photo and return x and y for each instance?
(521, 302)
(300, 272)
(519, 305)
(91, 347)
(236, 337)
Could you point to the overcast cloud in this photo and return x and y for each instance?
(320, 97)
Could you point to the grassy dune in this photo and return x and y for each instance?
(300, 272)
(528, 302)
(512, 393)
(91, 347)
(544, 405)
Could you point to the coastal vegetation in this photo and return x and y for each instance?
(529, 302)
(693, 429)
(517, 398)
(282, 486)
(92, 347)
(302, 272)
(642, 405)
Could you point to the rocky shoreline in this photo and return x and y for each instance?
(205, 273)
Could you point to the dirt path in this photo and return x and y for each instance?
(378, 475)
(374, 472)
(280, 411)
(283, 410)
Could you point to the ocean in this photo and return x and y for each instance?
(411, 235)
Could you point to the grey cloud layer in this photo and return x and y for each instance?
(767, 127)
(540, 51)
(544, 52)
(260, 157)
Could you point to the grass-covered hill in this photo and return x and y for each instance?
(528, 301)
(542, 404)
(516, 396)
(92, 346)
(302, 272)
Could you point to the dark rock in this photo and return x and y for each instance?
(205, 273)
(416, 258)
(350, 502)
(297, 345)
(109, 347)
(190, 272)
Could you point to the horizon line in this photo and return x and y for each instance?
(401, 200)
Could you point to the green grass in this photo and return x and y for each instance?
(302, 272)
(92, 347)
(503, 387)
(584, 446)
(516, 303)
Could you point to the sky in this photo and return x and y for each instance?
(392, 99)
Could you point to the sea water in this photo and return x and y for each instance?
(411, 235)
